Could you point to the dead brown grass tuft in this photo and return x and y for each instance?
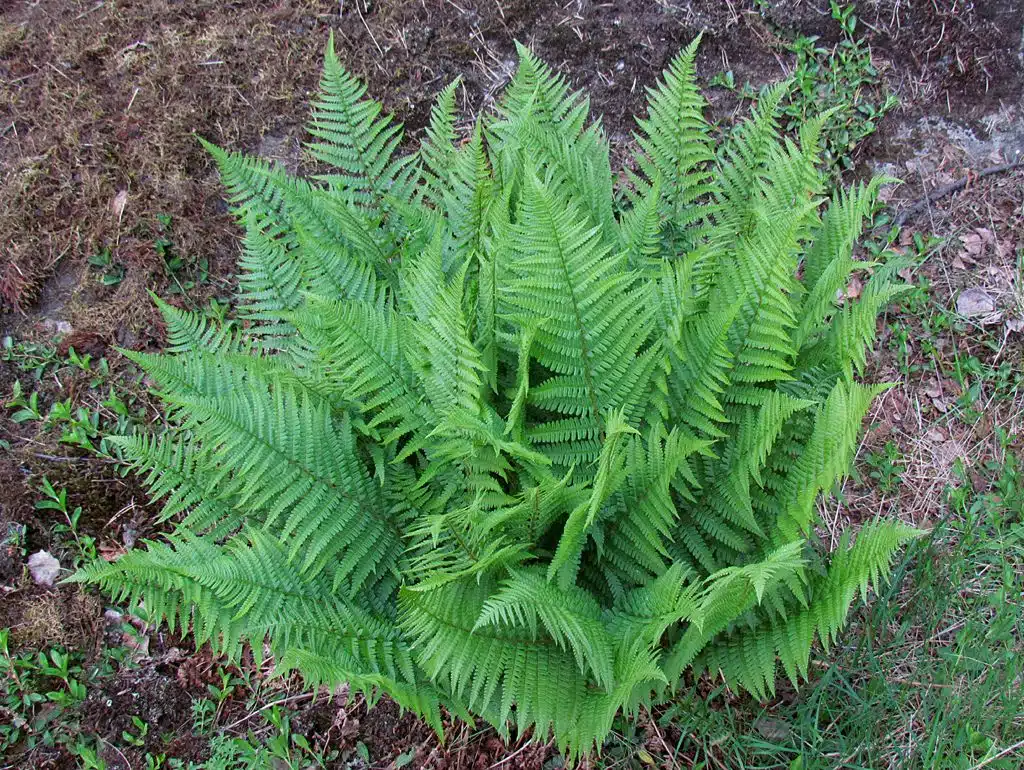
(67, 617)
(98, 106)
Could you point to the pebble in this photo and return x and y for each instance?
(44, 568)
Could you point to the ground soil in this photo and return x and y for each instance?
(100, 103)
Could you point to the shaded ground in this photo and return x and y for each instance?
(99, 101)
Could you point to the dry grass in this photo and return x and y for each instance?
(99, 99)
(66, 618)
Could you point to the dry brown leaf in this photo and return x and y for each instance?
(1005, 248)
(973, 243)
(111, 551)
(854, 288)
(118, 203)
(975, 302)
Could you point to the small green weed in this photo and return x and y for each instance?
(30, 357)
(38, 692)
(84, 545)
(84, 417)
(886, 467)
(284, 748)
(841, 79)
(137, 735)
(184, 274)
(111, 272)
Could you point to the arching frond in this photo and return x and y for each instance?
(749, 655)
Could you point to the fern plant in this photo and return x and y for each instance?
(506, 433)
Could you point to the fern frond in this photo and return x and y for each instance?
(188, 331)
(256, 189)
(290, 459)
(359, 353)
(271, 282)
(438, 148)
(729, 594)
(853, 329)
(178, 472)
(493, 669)
(749, 655)
(827, 455)
(249, 590)
(572, 619)
(674, 147)
(591, 332)
(541, 96)
(356, 140)
(700, 366)
(642, 519)
(645, 613)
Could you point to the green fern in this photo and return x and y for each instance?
(501, 435)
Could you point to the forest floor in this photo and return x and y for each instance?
(105, 194)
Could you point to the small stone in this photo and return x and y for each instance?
(772, 729)
(974, 302)
(44, 568)
(57, 327)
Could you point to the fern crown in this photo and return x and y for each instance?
(500, 430)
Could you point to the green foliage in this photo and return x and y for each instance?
(282, 748)
(81, 420)
(930, 680)
(841, 82)
(501, 436)
(39, 694)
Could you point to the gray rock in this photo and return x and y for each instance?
(44, 568)
(772, 729)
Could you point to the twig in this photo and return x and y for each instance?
(127, 764)
(514, 754)
(290, 699)
(368, 31)
(994, 757)
(953, 187)
(75, 459)
(668, 752)
(85, 13)
(126, 111)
